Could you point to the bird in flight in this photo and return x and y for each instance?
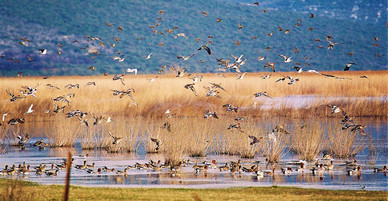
(181, 35)
(157, 142)
(42, 51)
(347, 67)
(180, 73)
(209, 114)
(206, 48)
(255, 139)
(119, 77)
(30, 109)
(149, 56)
(286, 59)
(184, 58)
(258, 94)
(116, 139)
(191, 87)
(269, 64)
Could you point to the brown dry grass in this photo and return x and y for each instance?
(168, 92)
(344, 143)
(308, 140)
(196, 136)
(62, 132)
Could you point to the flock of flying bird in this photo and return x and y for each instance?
(94, 45)
(236, 64)
(212, 91)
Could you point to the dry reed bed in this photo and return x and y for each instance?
(308, 140)
(199, 137)
(191, 135)
(167, 91)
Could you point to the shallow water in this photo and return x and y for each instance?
(304, 101)
(188, 178)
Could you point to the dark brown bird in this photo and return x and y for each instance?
(157, 142)
(15, 121)
(281, 129)
(209, 114)
(271, 65)
(116, 139)
(166, 126)
(229, 108)
(191, 87)
(296, 50)
(206, 48)
(347, 67)
(359, 128)
(258, 94)
(235, 126)
(255, 139)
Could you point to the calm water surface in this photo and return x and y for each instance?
(188, 178)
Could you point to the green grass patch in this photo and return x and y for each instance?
(22, 190)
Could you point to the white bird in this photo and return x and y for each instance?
(286, 59)
(42, 51)
(182, 35)
(30, 109)
(108, 120)
(240, 77)
(131, 71)
(272, 136)
(167, 111)
(313, 71)
(238, 59)
(149, 56)
(5, 114)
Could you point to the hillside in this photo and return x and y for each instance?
(46, 23)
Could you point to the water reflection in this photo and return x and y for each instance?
(213, 178)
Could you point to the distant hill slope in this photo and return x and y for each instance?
(49, 24)
(361, 11)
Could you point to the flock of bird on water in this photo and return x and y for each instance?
(322, 165)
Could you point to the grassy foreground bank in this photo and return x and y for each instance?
(17, 190)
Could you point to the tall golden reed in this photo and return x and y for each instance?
(62, 131)
(308, 140)
(344, 143)
(167, 91)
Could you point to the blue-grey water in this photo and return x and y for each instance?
(213, 178)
